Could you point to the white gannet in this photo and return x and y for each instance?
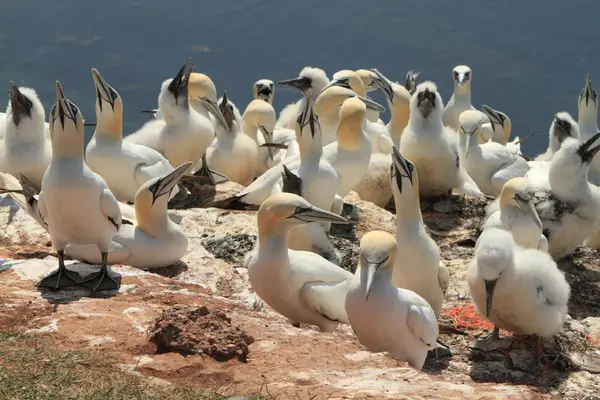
(154, 241)
(563, 126)
(489, 164)
(25, 148)
(309, 78)
(501, 127)
(380, 137)
(367, 77)
(300, 285)
(232, 153)
(315, 180)
(567, 203)
(517, 214)
(461, 98)
(184, 132)
(258, 122)
(384, 317)
(587, 121)
(433, 147)
(520, 290)
(264, 89)
(418, 266)
(349, 154)
(124, 166)
(75, 202)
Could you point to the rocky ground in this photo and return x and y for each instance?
(197, 323)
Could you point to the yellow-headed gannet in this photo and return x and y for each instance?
(384, 317)
(309, 78)
(501, 127)
(433, 147)
(587, 121)
(519, 290)
(418, 266)
(367, 77)
(300, 285)
(264, 89)
(75, 202)
(563, 126)
(125, 166)
(232, 153)
(461, 98)
(154, 241)
(517, 214)
(25, 148)
(490, 164)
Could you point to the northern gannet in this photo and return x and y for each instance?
(309, 78)
(501, 127)
(520, 290)
(184, 132)
(232, 153)
(124, 166)
(433, 147)
(489, 164)
(461, 98)
(367, 77)
(587, 122)
(25, 148)
(384, 317)
(563, 126)
(517, 214)
(418, 266)
(567, 203)
(75, 202)
(300, 285)
(154, 241)
(264, 89)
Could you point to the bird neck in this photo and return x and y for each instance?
(272, 239)
(109, 127)
(399, 120)
(462, 94)
(71, 147)
(310, 147)
(588, 119)
(153, 220)
(408, 208)
(350, 136)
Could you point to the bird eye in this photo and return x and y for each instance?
(467, 74)
(455, 75)
(411, 167)
(432, 96)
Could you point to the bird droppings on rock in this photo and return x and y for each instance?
(231, 248)
(196, 330)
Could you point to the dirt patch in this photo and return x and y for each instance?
(196, 330)
(231, 248)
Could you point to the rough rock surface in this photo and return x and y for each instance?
(284, 361)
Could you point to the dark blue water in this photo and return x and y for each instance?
(529, 59)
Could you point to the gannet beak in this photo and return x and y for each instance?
(20, 104)
(461, 78)
(371, 104)
(315, 214)
(586, 151)
(468, 136)
(178, 85)
(104, 92)
(400, 165)
(167, 182)
(382, 83)
(153, 112)
(426, 103)
(268, 141)
(63, 107)
(410, 82)
(493, 115)
(372, 268)
(214, 109)
(265, 92)
(490, 286)
(529, 208)
(589, 92)
(227, 113)
(301, 83)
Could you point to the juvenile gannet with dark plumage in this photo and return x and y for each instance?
(125, 166)
(433, 147)
(184, 132)
(418, 266)
(587, 121)
(75, 202)
(519, 290)
(153, 241)
(309, 78)
(264, 89)
(490, 164)
(25, 148)
(232, 153)
(563, 126)
(300, 285)
(517, 215)
(384, 317)
(461, 98)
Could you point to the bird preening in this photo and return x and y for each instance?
(296, 172)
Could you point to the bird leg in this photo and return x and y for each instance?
(440, 352)
(495, 335)
(102, 280)
(60, 278)
(211, 177)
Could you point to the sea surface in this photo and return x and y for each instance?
(529, 59)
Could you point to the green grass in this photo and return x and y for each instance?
(31, 369)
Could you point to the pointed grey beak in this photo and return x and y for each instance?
(268, 139)
(166, 183)
(494, 116)
(490, 286)
(384, 84)
(468, 142)
(410, 82)
(315, 214)
(371, 104)
(529, 209)
(214, 109)
(586, 151)
(461, 79)
(590, 93)
(64, 107)
(372, 269)
(103, 90)
(301, 83)
(400, 165)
